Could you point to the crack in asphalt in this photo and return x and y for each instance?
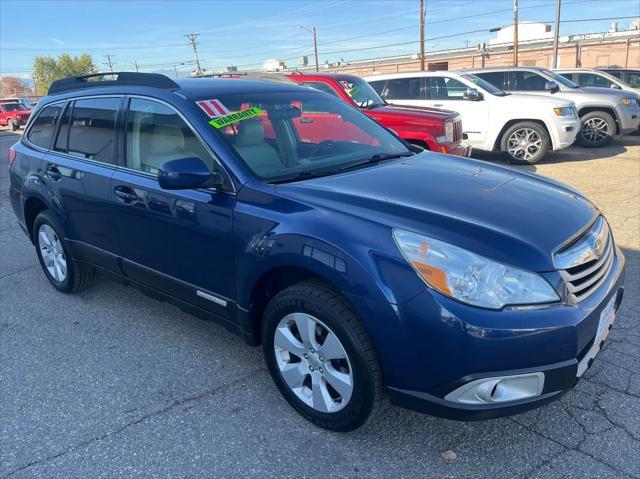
(567, 408)
(19, 271)
(176, 403)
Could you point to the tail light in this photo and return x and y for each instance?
(12, 155)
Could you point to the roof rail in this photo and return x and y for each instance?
(155, 80)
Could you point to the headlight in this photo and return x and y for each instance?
(628, 101)
(448, 133)
(564, 111)
(471, 278)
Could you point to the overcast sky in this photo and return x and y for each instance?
(246, 33)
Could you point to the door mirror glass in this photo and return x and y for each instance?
(551, 86)
(472, 94)
(187, 173)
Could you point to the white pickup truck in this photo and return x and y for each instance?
(522, 126)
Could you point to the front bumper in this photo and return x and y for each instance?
(565, 132)
(629, 117)
(439, 345)
(457, 149)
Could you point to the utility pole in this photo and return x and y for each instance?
(175, 69)
(192, 38)
(108, 62)
(515, 33)
(556, 34)
(135, 64)
(312, 30)
(422, 15)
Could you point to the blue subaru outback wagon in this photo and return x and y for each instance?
(456, 287)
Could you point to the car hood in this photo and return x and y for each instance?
(415, 112)
(552, 101)
(513, 217)
(610, 94)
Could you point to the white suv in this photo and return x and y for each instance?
(522, 126)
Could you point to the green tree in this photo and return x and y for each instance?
(48, 69)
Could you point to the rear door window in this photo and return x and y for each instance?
(43, 126)
(92, 129)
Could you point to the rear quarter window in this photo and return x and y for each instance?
(43, 126)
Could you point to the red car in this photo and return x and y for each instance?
(425, 128)
(13, 115)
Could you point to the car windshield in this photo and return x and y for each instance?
(361, 92)
(560, 79)
(287, 136)
(485, 85)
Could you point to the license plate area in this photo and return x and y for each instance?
(607, 317)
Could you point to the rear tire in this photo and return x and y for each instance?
(525, 143)
(312, 368)
(62, 271)
(597, 130)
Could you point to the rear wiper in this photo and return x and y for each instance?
(376, 158)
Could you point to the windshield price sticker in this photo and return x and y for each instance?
(226, 120)
(213, 108)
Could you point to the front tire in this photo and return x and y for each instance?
(62, 271)
(320, 356)
(525, 143)
(13, 126)
(597, 130)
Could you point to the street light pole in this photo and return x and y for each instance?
(515, 33)
(312, 30)
(556, 34)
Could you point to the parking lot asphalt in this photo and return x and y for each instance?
(111, 383)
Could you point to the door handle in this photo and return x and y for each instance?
(438, 104)
(53, 173)
(125, 194)
(306, 120)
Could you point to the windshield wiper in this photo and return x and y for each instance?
(302, 175)
(376, 159)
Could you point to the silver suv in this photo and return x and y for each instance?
(604, 113)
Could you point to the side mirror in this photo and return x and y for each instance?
(552, 86)
(187, 173)
(472, 94)
(616, 86)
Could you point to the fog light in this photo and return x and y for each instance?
(498, 389)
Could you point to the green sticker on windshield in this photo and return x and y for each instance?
(226, 120)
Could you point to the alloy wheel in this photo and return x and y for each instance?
(313, 362)
(52, 253)
(524, 144)
(595, 130)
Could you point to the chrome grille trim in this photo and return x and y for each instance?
(587, 261)
(457, 130)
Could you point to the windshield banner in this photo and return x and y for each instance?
(226, 120)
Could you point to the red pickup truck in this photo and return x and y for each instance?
(425, 128)
(13, 115)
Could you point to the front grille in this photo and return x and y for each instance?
(457, 130)
(586, 262)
